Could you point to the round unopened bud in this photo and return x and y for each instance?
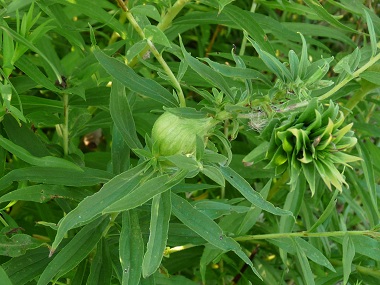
(174, 134)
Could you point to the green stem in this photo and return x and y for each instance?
(171, 14)
(307, 234)
(65, 130)
(178, 6)
(115, 35)
(244, 41)
(371, 62)
(113, 217)
(168, 251)
(3, 221)
(169, 73)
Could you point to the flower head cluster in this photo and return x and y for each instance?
(313, 142)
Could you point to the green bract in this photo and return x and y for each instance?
(174, 134)
(313, 142)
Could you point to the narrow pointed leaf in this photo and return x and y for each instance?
(326, 213)
(134, 82)
(146, 191)
(348, 256)
(273, 63)
(121, 114)
(41, 193)
(158, 233)
(206, 228)
(320, 11)
(131, 248)
(75, 251)
(58, 176)
(313, 253)
(240, 184)
(371, 31)
(207, 73)
(17, 37)
(46, 161)
(304, 263)
(92, 206)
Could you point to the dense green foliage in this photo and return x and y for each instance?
(263, 168)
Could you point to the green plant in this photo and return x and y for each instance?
(167, 142)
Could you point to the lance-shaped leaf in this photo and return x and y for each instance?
(58, 176)
(121, 114)
(46, 161)
(75, 251)
(240, 184)
(92, 206)
(131, 248)
(146, 191)
(206, 228)
(158, 233)
(207, 73)
(134, 82)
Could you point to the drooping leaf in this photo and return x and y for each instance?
(253, 29)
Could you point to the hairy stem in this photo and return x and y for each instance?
(371, 62)
(171, 14)
(169, 73)
(153, 49)
(307, 234)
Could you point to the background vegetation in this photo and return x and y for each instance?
(284, 188)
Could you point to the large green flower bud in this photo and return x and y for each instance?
(313, 143)
(175, 134)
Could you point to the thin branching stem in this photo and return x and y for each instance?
(356, 74)
(169, 73)
(152, 48)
